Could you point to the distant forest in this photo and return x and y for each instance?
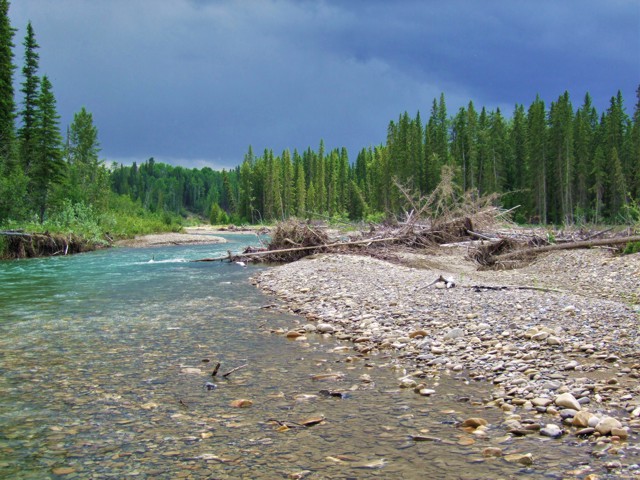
(558, 164)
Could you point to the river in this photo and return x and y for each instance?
(105, 359)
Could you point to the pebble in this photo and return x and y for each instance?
(454, 333)
(606, 424)
(492, 452)
(523, 459)
(426, 392)
(551, 430)
(527, 345)
(325, 328)
(475, 422)
(567, 400)
(585, 419)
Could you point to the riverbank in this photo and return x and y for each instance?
(30, 245)
(166, 239)
(199, 235)
(555, 342)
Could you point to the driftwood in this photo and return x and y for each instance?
(568, 246)
(231, 257)
(506, 250)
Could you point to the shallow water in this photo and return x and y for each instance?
(98, 355)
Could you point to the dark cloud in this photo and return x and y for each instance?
(197, 81)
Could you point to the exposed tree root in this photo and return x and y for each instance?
(29, 245)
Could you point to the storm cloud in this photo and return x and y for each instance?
(195, 82)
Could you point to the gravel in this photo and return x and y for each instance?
(556, 338)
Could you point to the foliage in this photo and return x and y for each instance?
(631, 247)
(218, 216)
(552, 162)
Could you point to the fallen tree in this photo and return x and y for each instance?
(497, 253)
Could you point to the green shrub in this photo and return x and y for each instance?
(631, 247)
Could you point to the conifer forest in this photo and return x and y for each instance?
(561, 162)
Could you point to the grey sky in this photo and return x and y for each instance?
(195, 82)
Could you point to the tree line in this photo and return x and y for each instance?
(42, 171)
(556, 163)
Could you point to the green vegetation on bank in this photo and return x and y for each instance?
(55, 185)
(553, 164)
(556, 165)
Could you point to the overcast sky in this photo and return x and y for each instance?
(195, 82)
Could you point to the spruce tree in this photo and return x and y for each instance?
(634, 181)
(537, 156)
(516, 170)
(30, 95)
(617, 191)
(87, 174)
(287, 182)
(246, 200)
(498, 148)
(300, 185)
(585, 124)
(7, 105)
(13, 183)
(46, 164)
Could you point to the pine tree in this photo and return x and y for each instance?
(13, 182)
(300, 185)
(7, 105)
(459, 146)
(585, 124)
(343, 181)
(498, 151)
(228, 201)
(46, 165)
(561, 146)
(537, 156)
(617, 185)
(599, 173)
(483, 165)
(246, 200)
(30, 91)
(634, 180)
(472, 147)
(516, 170)
(87, 175)
(287, 181)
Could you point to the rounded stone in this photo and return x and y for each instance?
(567, 400)
(621, 433)
(454, 333)
(605, 425)
(551, 430)
(581, 419)
(475, 422)
(492, 452)
(325, 328)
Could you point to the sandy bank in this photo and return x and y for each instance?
(165, 239)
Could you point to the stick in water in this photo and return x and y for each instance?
(234, 370)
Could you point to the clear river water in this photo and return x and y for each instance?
(105, 359)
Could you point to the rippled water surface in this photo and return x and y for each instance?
(105, 356)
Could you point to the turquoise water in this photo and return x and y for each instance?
(105, 356)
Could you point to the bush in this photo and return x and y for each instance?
(631, 247)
